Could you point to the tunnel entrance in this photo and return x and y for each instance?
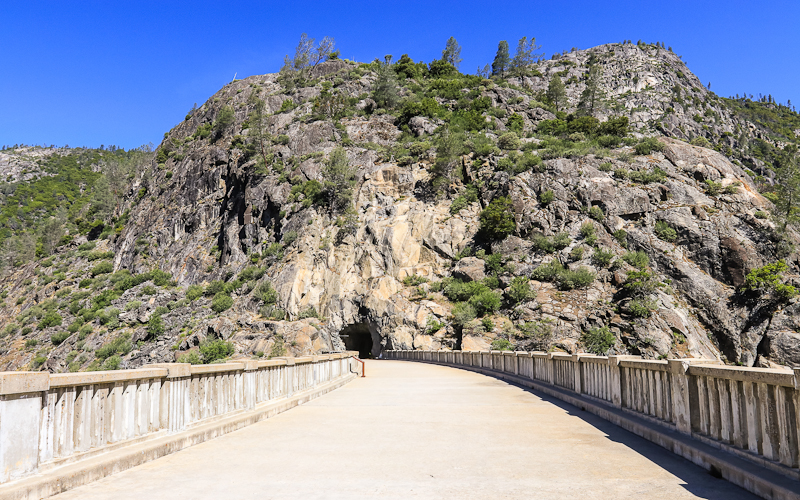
(357, 337)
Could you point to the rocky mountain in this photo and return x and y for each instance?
(375, 206)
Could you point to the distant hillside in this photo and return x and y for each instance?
(50, 195)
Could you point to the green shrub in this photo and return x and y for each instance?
(309, 312)
(37, 362)
(148, 290)
(768, 278)
(289, 237)
(641, 308)
(576, 253)
(602, 258)
(214, 350)
(566, 279)
(109, 317)
(104, 267)
(252, 273)
(50, 319)
(515, 123)
(160, 278)
(214, 288)
(761, 214)
(497, 219)
(580, 278)
(713, 188)
(622, 237)
(640, 283)
(112, 363)
(637, 259)
(485, 302)
(488, 324)
(58, 338)
(266, 293)
(519, 290)
(785, 292)
(134, 304)
(120, 345)
(664, 232)
(501, 345)
(606, 166)
(546, 197)
(31, 343)
(551, 244)
(190, 357)
(10, 329)
(221, 302)
(463, 313)
(648, 145)
(433, 325)
(548, 271)
(92, 256)
(414, 280)
(194, 292)
(645, 177)
(598, 340)
(596, 213)
(587, 229)
(507, 141)
(84, 331)
(155, 326)
(463, 200)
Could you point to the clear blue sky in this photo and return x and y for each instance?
(123, 72)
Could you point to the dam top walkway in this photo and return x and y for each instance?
(413, 430)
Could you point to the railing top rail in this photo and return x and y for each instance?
(105, 377)
(645, 364)
(29, 382)
(217, 368)
(770, 376)
(271, 362)
(561, 356)
(591, 358)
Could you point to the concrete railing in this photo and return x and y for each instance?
(48, 420)
(752, 412)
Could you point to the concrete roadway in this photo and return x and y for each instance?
(412, 430)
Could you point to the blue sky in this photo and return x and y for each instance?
(122, 72)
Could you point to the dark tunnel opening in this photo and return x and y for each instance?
(357, 337)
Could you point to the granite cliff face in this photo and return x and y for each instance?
(204, 210)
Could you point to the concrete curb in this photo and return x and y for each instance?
(76, 474)
(753, 478)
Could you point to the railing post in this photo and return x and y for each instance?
(684, 392)
(578, 370)
(21, 396)
(249, 383)
(176, 392)
(615, 381)
(681, 395)
(796, 401)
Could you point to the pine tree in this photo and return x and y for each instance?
(592, 94)
(525, 55)
(385, 92)
(338, 179)
(787, 188)
(501, 60)
(452, 52)
(258, 131)
(556, 92)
